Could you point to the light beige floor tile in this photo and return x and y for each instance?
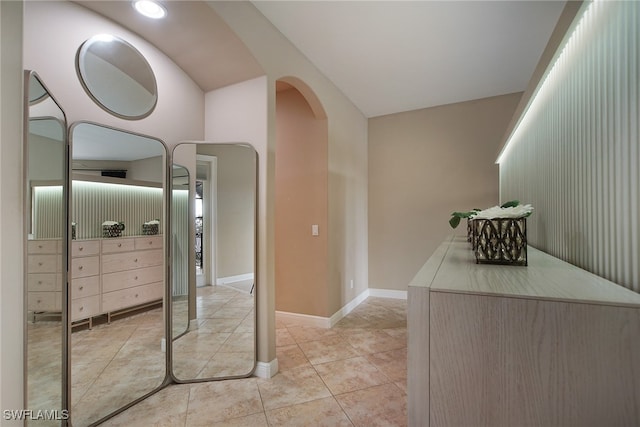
(347, 375)
(328, 350)
(290, 357)
(372, 341)
(309, 333)
(318, 413)
(291, 387)
(253, 420)
(167, 408)
(392, 363)
(228, 364)
(383, 405)
(217, 401)
(284, 338)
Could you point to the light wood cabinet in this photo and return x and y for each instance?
(547, 344)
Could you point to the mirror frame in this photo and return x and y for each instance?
(166, 259)
(86, 80)
(64, 309)
(169, 348)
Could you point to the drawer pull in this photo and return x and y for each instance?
(39, 246)
(135, 278)
(81, 288)
(135, 260)
(39, 263)
(81, 308)
(39, 282)
(80, 268)
(119, 245)
(81, 248)
(150, 242)
(38, 301)
(136, 295)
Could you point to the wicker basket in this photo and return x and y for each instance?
(500, 240)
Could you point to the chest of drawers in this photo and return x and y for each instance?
(44, 276)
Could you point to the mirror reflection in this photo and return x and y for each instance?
(217, 289)
(45, 165)
(117, 271)
(117, 76)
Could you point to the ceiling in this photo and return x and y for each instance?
(386, 56)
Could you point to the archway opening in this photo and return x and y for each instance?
(301, 225)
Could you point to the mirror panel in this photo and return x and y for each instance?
(117, 76)
(181, 230)
(117, 270)
(46, 231)
(220, 340)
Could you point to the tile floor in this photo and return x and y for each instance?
(353, 374)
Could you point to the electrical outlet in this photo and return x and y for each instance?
(351, 283)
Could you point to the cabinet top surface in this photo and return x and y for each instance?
(453, 268)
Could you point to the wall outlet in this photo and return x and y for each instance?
(351, 283)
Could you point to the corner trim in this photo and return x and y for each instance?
(266, 369)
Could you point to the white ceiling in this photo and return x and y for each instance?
(386, 56)
(392, 56)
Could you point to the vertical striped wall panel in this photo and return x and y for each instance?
(180, 221)
(575, 154)
(48, 212)
(93, 203)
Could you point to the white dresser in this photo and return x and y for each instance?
(115, 275)
(44, 276)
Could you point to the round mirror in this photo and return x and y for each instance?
(117, 77)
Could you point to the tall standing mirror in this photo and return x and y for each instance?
(46, 248)
(117, 270)
(214, 261)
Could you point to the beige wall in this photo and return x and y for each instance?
(347, 165)
(423, 165)
(301, 200)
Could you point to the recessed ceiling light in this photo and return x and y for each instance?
(150, 9)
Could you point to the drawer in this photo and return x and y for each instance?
(126, 279)
(85, 287)
(149, 242)
(44, 246)
(131, 260)
(117, 300)
(44, 263)
(85, 266)
(85, 248)
(44, 301)
(83, 308)
(117, 245)
(40, 282)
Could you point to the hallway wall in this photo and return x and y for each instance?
(301, 200)
(423, 165)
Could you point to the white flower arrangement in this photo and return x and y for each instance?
(511, 209)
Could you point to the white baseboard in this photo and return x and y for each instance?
(348, 308)
(329, 322)
(303, 319)
(234, 279)
(387, 293)
(266, 370)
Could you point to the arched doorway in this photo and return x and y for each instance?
(301, 226)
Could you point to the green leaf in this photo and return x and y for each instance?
(454, 221)
(510, 204)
